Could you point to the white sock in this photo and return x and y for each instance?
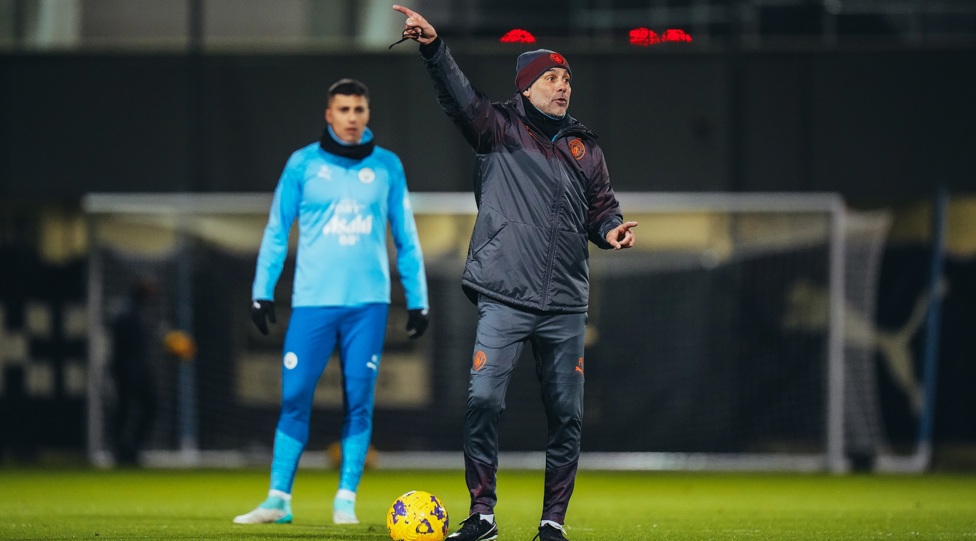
(553, 524)
(345, 494)
(490, 518)
(279, 494)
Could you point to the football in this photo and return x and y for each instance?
(417, 516)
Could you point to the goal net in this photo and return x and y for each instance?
(737, 334)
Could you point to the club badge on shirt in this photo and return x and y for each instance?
(577, 148)
(367, 175)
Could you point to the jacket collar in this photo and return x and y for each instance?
(572, 126)
(331, 144)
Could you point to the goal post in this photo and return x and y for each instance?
(827, 209)
(721, 341)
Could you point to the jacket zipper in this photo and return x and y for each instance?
(556, 206)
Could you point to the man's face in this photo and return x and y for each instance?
(550, 92)
(348, 115)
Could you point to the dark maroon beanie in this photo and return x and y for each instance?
(531, 65)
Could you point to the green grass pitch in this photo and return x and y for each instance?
(63, 503)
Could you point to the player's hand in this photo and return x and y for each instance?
(417, 322)
(416, 26)
(621, 236)
(263, 311)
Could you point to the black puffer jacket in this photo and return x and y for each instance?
(538, 200)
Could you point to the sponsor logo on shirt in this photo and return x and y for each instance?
(324, 172)
(348, 222)
(349, 206)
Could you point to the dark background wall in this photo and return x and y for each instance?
(888, 123)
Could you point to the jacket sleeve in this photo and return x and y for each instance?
(604, 210)
(274, 244)
(470, 110)
(410, 257)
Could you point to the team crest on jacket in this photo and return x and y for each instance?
(577, 148)
(367, 175)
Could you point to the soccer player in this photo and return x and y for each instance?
(343, 190)
(542, 189)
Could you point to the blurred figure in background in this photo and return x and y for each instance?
(543, 191)
(343, 190)
(133, 373)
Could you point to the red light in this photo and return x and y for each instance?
(675, 34)
(517, 35)
(644, 37)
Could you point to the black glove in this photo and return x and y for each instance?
(417, 321)
(263, 311)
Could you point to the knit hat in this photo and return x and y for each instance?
(531, 65)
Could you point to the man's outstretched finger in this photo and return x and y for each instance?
(425, 33)
(413, 18)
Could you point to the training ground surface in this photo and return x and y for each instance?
(63, 503)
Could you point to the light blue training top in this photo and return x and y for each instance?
(343, 207)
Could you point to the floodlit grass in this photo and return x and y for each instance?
(193, 504)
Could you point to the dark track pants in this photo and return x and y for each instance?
(557, 345)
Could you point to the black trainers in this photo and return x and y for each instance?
(550, 533)
(475, 529)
